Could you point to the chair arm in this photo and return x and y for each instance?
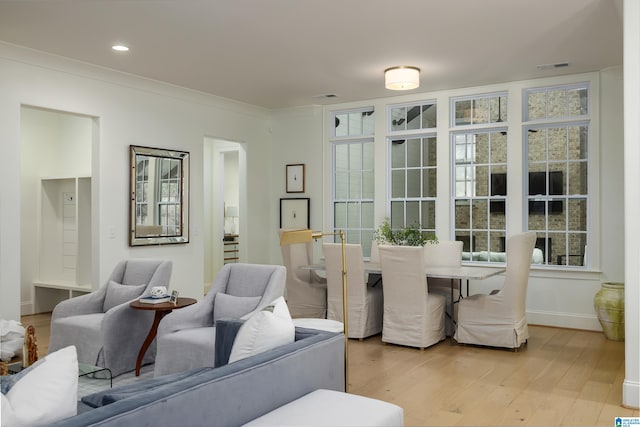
(83, 304)
(198, 315)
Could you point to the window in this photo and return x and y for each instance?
(353, 176)
(557, 142)
(479, 174)
(413, 166)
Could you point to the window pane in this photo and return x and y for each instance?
(353, 215)
(355, 189)
(368, 157)
(479, 213)
(498, 107)
(413, 183)
(397, 215)
(557, 218)
(557, 246)
(429, 116)
(368, 122)
(536, 104)
(578, 102)
(482, 181)
(341, 182)
(341, 125)
(341, 157)
(578, 215)
(429, 215)
(498, 147)
(429, 156)
(340, 215)
(537, 145)
(557, 103)
(355, 123)
(462, 214)
(463, 112)
(355, 156)
(398, 118)
(413, 153)
(413, 118)
(497, 218)
(497, 241)
(397, 153)
(368, 185)
(413, 214)
(397, 184)
(557, 144)
(480, 112)
(367, 215)
(482, 148)
(578, 178)
(429, 183)
(578, 142)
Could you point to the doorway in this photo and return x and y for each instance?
(224, 204)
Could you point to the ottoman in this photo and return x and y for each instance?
(332, 408)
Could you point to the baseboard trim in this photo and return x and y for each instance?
(631, 394)
(564, 320)
(26, 308)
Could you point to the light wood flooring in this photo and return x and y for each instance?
(562, 377)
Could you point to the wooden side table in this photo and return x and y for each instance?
(161, 310)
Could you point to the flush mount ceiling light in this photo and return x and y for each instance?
(402, 78)
(120, 48)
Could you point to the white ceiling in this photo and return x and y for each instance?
(284, 53)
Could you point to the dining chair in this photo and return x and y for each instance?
(412, 315)
(445, 253)
(305, 291)
(500, 319)
(364, 303)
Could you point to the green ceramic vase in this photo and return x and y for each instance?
(609, 306)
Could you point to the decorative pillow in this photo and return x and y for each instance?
(118, 294)
(47, 393)
(231, 307)
(269, 328)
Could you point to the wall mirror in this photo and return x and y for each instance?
(159, 211)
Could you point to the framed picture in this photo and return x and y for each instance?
(295, 178)
(294, 214)
(174, 297)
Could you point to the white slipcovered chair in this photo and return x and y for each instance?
(445, 253)
(412, 315)
(364, 302)
(102, 326)
(500, 319)
(305, 291)
(186, 337)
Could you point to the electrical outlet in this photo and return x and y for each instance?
(68, 198)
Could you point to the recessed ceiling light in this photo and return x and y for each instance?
(552, 66)
(120, 48)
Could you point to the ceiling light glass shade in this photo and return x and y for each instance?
(402, 78)
(120, 48)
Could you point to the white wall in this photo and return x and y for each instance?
(129, 110)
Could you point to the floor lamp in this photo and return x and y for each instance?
(289, 237)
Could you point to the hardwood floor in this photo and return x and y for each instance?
(563, 377)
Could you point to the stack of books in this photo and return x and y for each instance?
(154, 300)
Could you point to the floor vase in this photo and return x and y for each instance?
(609, 306)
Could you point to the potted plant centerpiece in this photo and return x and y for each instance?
(405, 236)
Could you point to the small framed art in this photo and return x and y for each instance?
(295, 178)
(294, 214)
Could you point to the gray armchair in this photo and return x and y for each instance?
(102, 326)
(186, 337)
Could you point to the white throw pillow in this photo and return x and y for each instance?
(269, 328)
(47, 393)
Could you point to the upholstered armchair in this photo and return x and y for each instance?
(413, 316)
(102, 326)
(364, 302)
(186, 337)
(306, 292)
(500, 319)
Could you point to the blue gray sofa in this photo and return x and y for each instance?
(226, 395)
